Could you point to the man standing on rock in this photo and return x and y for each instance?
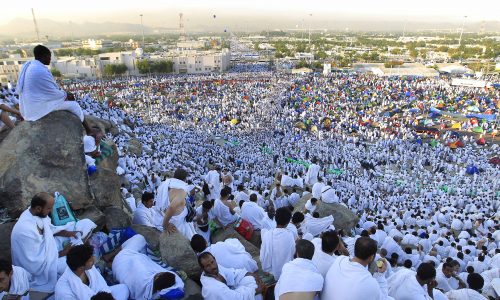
(213, 180)
(34, 244)
(312, 173)
(39, 93)
(175, 215)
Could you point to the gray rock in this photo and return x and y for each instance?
(152, 235)
(105, 185)
(116, 217)
(110, 162)
(5, 231)
(222, 235)
(344, 218)
(105, 125)
(46, 155)
(176, 252)
(134, 147)
(256, 239)
(94, 214)
(192, 291)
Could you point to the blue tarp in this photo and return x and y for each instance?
(489, 118)
(471, 170)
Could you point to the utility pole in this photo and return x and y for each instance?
(310, 15)
(36, 25)
(142, 27)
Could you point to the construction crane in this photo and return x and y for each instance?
(182, 31)
(36, 25)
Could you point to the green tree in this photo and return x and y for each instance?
(413, 53)
(143, 66)
(162, 66)
(115, 69)
(56, 73)
(392, 63)
(320, 55)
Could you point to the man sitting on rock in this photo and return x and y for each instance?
(143, 214)
(229, 253)
(81, 280)
(220, 283)
(40, 247)
(39, 93)
(14, 281)
(4, 115)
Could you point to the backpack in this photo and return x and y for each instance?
(61, 212)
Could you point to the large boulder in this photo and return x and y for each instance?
(45, 155)
(110, 162)
(192, 290)
(105, 185)
(5, 231)
(134, 147)
(116, 217)
(152, 235)
(176, 252)
(105, 125)
(93, 214)
(343, 217)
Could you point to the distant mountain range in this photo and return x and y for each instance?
(24, 28)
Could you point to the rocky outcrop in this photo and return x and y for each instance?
(134, 147)
(105, 185)
(46, 155)
(344, 218)
(5, 231)
(176, 252)
(93, 214)
(105, 125)
(192, 290)
(116, 217)
(152, 235)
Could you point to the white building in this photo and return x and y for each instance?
(190, 45)
(304, 55)
(128, 58)
(193, 62)
(72, 67)
(10, 67)
(96, 44)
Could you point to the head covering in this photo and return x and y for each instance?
(89, 144)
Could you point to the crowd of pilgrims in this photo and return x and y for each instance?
(255, 143)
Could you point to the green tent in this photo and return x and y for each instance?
(478, 129)
(433, 143)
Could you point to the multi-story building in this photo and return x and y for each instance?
(10, 68)
(72, 67)
(128, 58)
(96, 44)
(193, 62)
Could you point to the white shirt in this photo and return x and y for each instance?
(350, 280)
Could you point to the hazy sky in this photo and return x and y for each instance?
(165, 12)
